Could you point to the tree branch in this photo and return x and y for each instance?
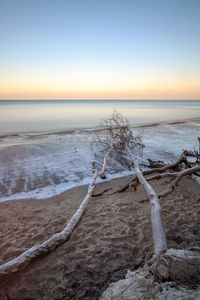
(178, 176)
(151, 171)
(18, 263)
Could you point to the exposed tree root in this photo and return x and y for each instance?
(178, 273)
(181, 266)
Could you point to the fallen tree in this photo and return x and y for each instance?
(18, 263)
(118, 131)
(179, 266)
(166, 264)
(119, 135)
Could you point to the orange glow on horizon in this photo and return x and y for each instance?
(92, 84)
(119, 84)
(148, 94)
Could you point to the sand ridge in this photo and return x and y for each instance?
(114, 235)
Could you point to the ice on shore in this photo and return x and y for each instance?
(41, 166)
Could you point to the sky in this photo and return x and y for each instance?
(99, 49)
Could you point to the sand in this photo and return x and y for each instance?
(114, 235)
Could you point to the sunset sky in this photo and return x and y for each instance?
(99, 49)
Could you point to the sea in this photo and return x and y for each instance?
(46, 146)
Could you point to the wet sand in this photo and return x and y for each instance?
(114, 235)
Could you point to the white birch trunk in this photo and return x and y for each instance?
(54, 241)
(159, 237)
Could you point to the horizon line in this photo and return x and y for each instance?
(99, 99)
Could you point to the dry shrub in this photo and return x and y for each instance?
(117, 133)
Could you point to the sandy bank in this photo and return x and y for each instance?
(114, 235)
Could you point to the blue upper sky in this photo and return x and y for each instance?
(155, 44)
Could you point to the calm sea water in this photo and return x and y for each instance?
(39, 116)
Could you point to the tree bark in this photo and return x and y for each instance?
(159, 236)
(18, 263)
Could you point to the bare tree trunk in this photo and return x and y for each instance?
(181, 266)
(18, 263)
(159, 237)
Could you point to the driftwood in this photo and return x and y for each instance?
(155, 164)
(166, 264)
(192, 154)
(178, 176)
(101, 193)
(189, 153)
(181, 266)
(18, 263)
(152, 171)
(159, 236)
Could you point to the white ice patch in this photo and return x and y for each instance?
(43, 166)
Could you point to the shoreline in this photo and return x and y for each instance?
(35, 134)
(62, 188)
(114, 235)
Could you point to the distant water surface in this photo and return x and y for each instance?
(46, 116)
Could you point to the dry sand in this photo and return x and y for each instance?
(114, 235)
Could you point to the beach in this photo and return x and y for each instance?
(113, 236)
(44, 177)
